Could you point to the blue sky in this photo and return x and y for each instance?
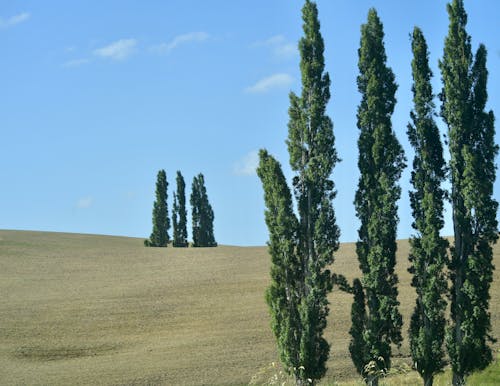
(97, 96)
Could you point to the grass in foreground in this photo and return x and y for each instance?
(82, 309)
(401, 374)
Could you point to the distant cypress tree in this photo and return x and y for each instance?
(161, 222)
(428, 253)
(302, 249)
(195, 212)
(381, 161)
(202, 215)
(179, 214)
(471, 135)
(175, 221)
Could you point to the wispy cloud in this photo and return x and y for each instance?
(118, 50)
(247, 165)
(84, 202)
(14, 20)
(264, 85)
(130, 195)
(192, 37)
(75, 63)
(279, 46)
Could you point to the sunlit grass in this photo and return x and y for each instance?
(488, 377)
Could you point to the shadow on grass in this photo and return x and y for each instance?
(43, 354)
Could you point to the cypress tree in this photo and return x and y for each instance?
(472, 167)
(428, 251)
(202, 215)
(161, 222)
(303, 248)
(381, 161)
(283, 295)
(179, 214)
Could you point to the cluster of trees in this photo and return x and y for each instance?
(201, 210)
(302, 242)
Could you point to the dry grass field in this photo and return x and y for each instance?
(100, 310)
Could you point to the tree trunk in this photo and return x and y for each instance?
(372, 380)
(429, 381)
(302, 382)
(458, 380)
(460, 252)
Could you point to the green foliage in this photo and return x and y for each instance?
(179, 214)
(357, 347)
(161, 222)
(472, 167)
(282, 296)
(175, 221)
(488, 377)
(381, 161)
(202, 214)
(428, 254)
(303, 248)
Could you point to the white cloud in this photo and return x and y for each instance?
(273, 40)
(118, 50)
(286, 50)
(279, 46)
(264, 85)
(247, 165)
(13, 20)
(85, 202)
(75, 63)
(179, 40)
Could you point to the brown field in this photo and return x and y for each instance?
(82, 309)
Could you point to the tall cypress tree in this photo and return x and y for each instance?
(428, 252)
(202, 215)
(161, 222)
(179, 214)
(381, 161)
(472, 167)
(303, 248)
(283, 295)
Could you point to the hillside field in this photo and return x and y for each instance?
(102, 310)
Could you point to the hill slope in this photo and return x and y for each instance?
(83, 309)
